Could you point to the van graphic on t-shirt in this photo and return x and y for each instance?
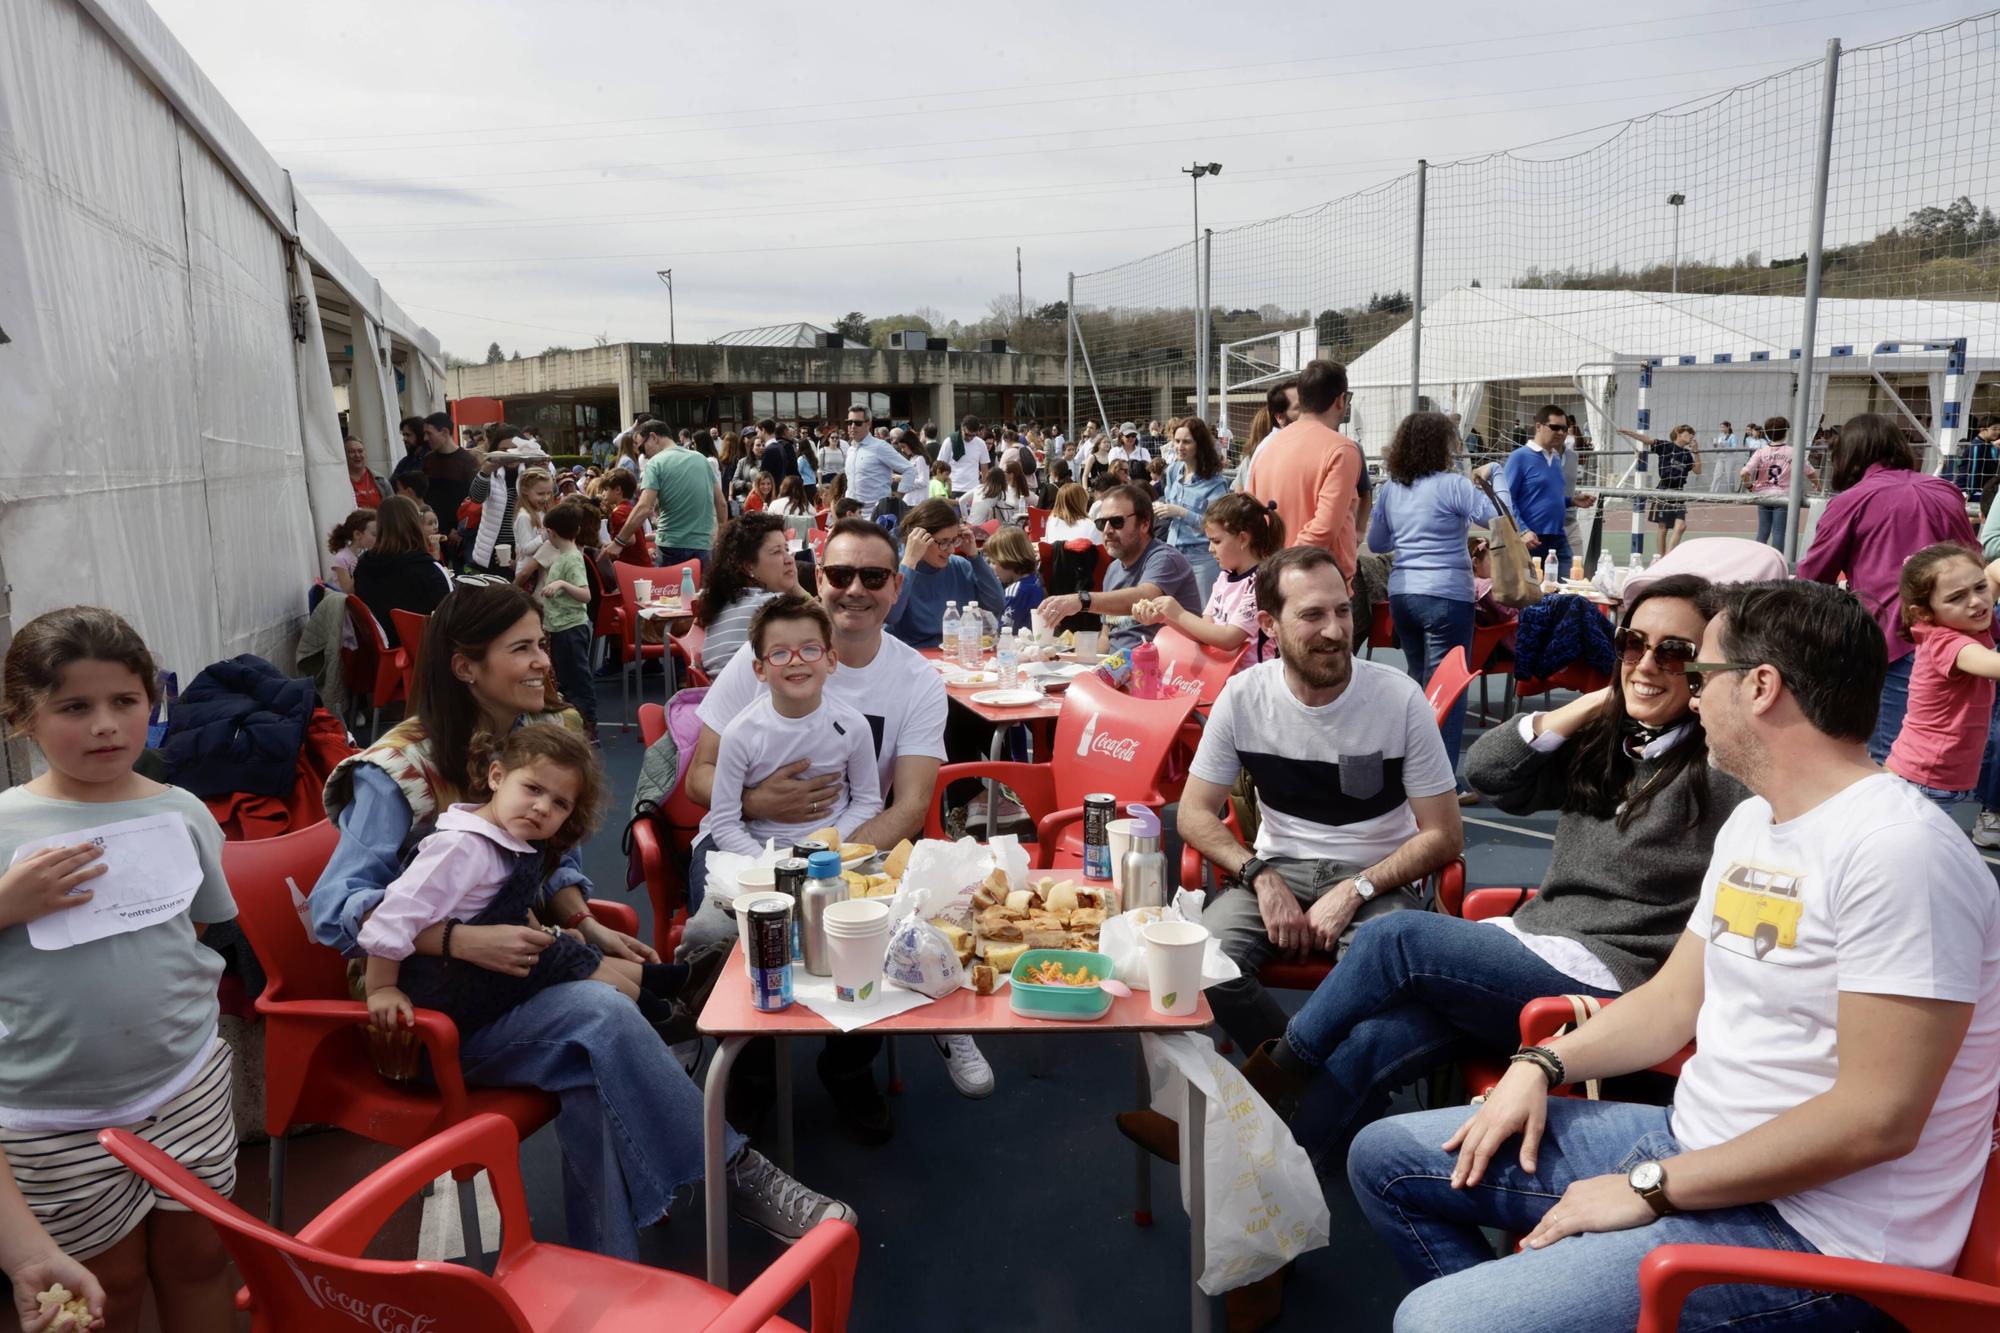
(1759, 904)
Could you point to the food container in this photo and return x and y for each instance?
(1076, 1004)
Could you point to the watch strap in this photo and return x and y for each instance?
(1247, 873)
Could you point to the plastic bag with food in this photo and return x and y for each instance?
(922, 960)
(1120, 939)
(942, 876)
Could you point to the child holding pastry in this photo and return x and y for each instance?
(118, 1027)
(484, 866)
(1242, 532)
(791, 640)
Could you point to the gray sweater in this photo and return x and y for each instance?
(1624, 896)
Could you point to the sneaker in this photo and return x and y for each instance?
(1007, 812)
(773, 1202)
(1986, 830)
(970, 1073)
(688, 1053)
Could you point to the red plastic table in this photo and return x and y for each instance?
(730, 1016)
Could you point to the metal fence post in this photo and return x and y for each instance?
(1417, 298)
(1069, 354)
(1201, 323)
(1802, 429)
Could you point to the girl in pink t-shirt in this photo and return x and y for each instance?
(1242, 532)
(1947, 600)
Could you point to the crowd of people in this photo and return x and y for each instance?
(1732, 863)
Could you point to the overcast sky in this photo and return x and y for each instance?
(516, 170)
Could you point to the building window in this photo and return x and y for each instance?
(763, 404)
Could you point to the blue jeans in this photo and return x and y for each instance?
(569, 654)
(677, 555)
(1989, 768)
(1414, 991)
(1428, 628)
(1942, 799)
(1895, 702)
(1206, 571)
(1771, 525)
(1402, 1180)
(621, 1091)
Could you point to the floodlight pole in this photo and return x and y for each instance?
(666, 275)
(1802, 429)
(1674, 201)
(1069, 357)
(1417, 297)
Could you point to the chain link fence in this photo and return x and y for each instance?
(1643, 276)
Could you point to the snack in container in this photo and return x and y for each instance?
(1076, 998)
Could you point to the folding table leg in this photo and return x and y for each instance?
(468, 1222)
(1201, 1314)
(276, 1213)
(715, 1172)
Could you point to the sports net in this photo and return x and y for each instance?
(1643, 275)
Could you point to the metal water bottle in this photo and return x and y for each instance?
(1143, 873)
(823, 888)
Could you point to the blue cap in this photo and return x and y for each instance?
(823, 865)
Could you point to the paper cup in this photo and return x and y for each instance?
(1120, 831)
(503, 555)
(744, 900)
(642, 590)
(1173, 965)
(857, 945)
(1086, 643)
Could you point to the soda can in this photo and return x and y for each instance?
(789, 877)
(1099, 809)
(804, 850)
(771, 954)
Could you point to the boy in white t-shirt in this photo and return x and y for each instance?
(1840, 978)
(791, 643)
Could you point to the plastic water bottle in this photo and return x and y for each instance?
(968, 638)
(1008, 650)
(948, 631)
(1145, 682)
(1605, 580)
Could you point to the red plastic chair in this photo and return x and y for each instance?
(1285, 975)
(663, 866)
(1038, 523)
(317, 1282)
(1540, 1021)
(1576, 677)
(1105, 741)
(1194, 668)
(317, 1068)
(1968, 1301)
(372, 670)
(1449, 684)
(410, 631)
(1486, 644)
(1381, 631)
(634, 654)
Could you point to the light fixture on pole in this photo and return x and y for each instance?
(666, 275)
(1675, 200)
(1194, 175)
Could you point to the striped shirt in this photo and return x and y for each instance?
(731, 630)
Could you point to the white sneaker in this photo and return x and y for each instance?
(970, 1073)
(1986, 830)
(1007, 812)
(772, 1201)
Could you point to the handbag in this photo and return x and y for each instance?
(1515, 582)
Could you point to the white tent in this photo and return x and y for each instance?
(1713, 358)
(169, 443)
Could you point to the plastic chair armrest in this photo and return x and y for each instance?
(1540, 1019)
(618, 916)
(437, 1032)
(1035, 784)
(1050, 827)
(1916, 1298)
(825, 1257)
(346, 1225)
(1489, 901)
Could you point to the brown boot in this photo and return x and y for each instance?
(1258, 1305)
(1154, 1132)
(1278, 1086)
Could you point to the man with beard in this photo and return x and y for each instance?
(1356, 793)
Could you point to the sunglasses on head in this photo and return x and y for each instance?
(873, 577)
(1670, 655)
(1112, 522)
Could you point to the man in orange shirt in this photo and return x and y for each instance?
(1310, 471)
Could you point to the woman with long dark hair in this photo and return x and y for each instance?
(1194, 481)
(1883, 511)
(399, 573)
(753, 563)
(1423, 513)
(631, 1119)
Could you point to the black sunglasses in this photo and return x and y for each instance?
(1112, 522)
(1698, 672)
(873, 577)
(1670, 655)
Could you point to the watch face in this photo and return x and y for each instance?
(1647, 1176)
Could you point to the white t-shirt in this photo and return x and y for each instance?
(760, 740)
(915, 482)
(968, 463)
(1872, 891)
(899, 694)
(1056, 531)
(1333, 782)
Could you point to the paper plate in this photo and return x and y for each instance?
(972, 678)
(1006, 698)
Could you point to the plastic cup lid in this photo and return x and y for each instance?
(1145, 824)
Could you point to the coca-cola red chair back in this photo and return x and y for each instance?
(1187, 667)
(1108, 741)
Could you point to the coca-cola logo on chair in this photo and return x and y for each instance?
(1122, 748)
(377, 1316)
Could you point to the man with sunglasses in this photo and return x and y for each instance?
(1535, 484)
(1840, 977)
(874, 464)
(903, 701)
(1141, 570)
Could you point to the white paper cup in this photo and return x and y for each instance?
(503, 555)
(642, 589)
(1086, 643)
(1121, 842)
(1173, 965)
(744, 901)
(857, 945)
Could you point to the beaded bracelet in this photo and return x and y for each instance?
(449, 926)
(1543, 1059)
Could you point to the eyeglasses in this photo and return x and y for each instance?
(873, 577)
(1670, 655)
(1697, 672)
(805, 652)
(1112, 522)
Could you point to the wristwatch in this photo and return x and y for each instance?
(1247, 873)
(1649, 1182)
(1083, 599)
(1364, 888)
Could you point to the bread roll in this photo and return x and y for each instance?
(1023, 900)
(1063, 897)
(899, 859)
